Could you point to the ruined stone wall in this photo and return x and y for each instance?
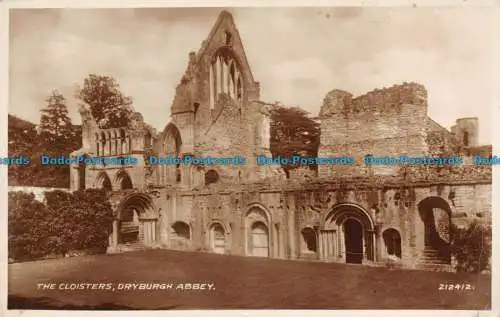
(228, 208)
(389, 121)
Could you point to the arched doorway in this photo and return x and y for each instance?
(347, 235)
(392, 241)
(259, 243)
(129, 226)
(435, 214)
(217, 239)
(353, 236)
(257, 232)
(137, 220)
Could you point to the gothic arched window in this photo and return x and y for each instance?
(225, 76)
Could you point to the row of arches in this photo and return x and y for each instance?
(117, 142)
(122, 181)
(353, 239)
(347, 232)
(112, 142)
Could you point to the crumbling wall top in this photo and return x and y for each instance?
(338, 101)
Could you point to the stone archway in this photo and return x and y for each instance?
(258, 242)
(259, 239)
(123, 180)
(353, 237)
(392, 241)
(347, 235)
(435, 214)
(103, 181)
(137, 221)
(180, 235)
(217, 238)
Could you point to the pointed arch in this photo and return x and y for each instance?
(103, 181)
(123, 180)
(170, 144)
(227, 65)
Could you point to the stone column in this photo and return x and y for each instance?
(319, 244)
(379, 245)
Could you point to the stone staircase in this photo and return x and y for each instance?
(130, 247)
(432, 260)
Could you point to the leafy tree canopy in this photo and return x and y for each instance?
(293, 133)
(108, 105)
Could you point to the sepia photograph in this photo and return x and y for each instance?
(250, 158)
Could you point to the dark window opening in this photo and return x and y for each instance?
(228, 38)
(211, 177)
(466, 138)
(178, 173)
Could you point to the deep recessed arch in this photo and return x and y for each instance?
(257, 224)
(392, 241)
(103, 181)
(217, 237)
(136, 219)
(123, 180)
(181, 230)
(435, 213)
(348, 234)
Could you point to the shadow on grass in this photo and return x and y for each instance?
(47, 303)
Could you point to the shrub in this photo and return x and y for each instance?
(471, 247)
(66, 222)
(82, 219)
(27, 226)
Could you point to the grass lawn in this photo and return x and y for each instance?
(239, 282)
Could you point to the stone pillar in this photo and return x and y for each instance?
(379, 246)
(319, 244)
(113, 237)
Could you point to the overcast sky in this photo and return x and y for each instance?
(297, 54)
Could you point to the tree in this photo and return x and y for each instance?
(55, 131)
(293, 133)
(21, 142)
(108, 105)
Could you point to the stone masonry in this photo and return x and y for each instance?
(356, 214)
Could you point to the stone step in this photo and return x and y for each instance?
(433, 261)
(434, 267)
(133, 246)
